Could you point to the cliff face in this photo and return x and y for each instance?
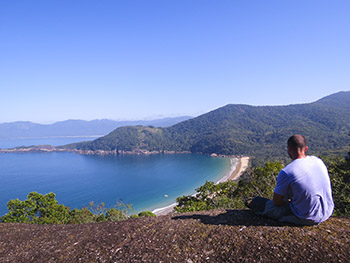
(208, 236)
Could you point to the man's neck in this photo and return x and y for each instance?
(301, 153)
(298, 156)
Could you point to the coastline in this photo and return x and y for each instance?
(233, 175)
(50, 148)
(242, 165)
(237, 164)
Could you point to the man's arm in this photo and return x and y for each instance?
(278, 200)
(282, 186)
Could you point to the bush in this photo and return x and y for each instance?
(146, 213)
(44, 209)
(339, 171)
(209, 196)
(37, 208)
(81, 216)
(230, 195)
(260, 181)
(114, 214)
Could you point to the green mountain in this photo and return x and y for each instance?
(241, 130)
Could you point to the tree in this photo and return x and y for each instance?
(114, 214)
(44, 209)
(260, 181)
(339, 172)
(209, 196)
(37, 208)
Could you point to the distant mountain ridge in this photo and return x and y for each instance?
(241, 130)
(24, 129)
(337, 100)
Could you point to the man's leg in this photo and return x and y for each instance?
(265, 207)
(257, 204)
(276, 212)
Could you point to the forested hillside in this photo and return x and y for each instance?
(241, 130)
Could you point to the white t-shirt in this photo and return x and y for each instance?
(308, 182)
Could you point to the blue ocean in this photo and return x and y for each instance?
(145, 181)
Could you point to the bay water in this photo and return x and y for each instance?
(145, 181)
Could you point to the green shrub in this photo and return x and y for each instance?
(260, 181)
(114, 214)
(209, 196)
(81, 216)
(339, 171)
(230, 195)
(37, 208)
(146, 213)
(44, 209)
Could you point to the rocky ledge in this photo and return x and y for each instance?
(208, 236)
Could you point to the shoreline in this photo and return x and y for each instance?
(233, 175)
(242, 165)
(50, 149)
(238, 164)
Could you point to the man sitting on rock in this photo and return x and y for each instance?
(303, 193)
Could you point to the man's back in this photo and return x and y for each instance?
(308, 181)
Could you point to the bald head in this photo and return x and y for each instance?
(297, 146)
(297, 141)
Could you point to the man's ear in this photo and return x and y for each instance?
(306, 148)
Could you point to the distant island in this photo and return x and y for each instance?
(238, 130)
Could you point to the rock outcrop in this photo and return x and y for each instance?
(208, 236)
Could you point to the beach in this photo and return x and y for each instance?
(233, 175)
(242, 165)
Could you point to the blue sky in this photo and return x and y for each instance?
(129, 59)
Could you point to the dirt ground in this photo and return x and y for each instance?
(208, 236)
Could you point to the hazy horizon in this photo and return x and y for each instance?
(116, 120)
(151, 118)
